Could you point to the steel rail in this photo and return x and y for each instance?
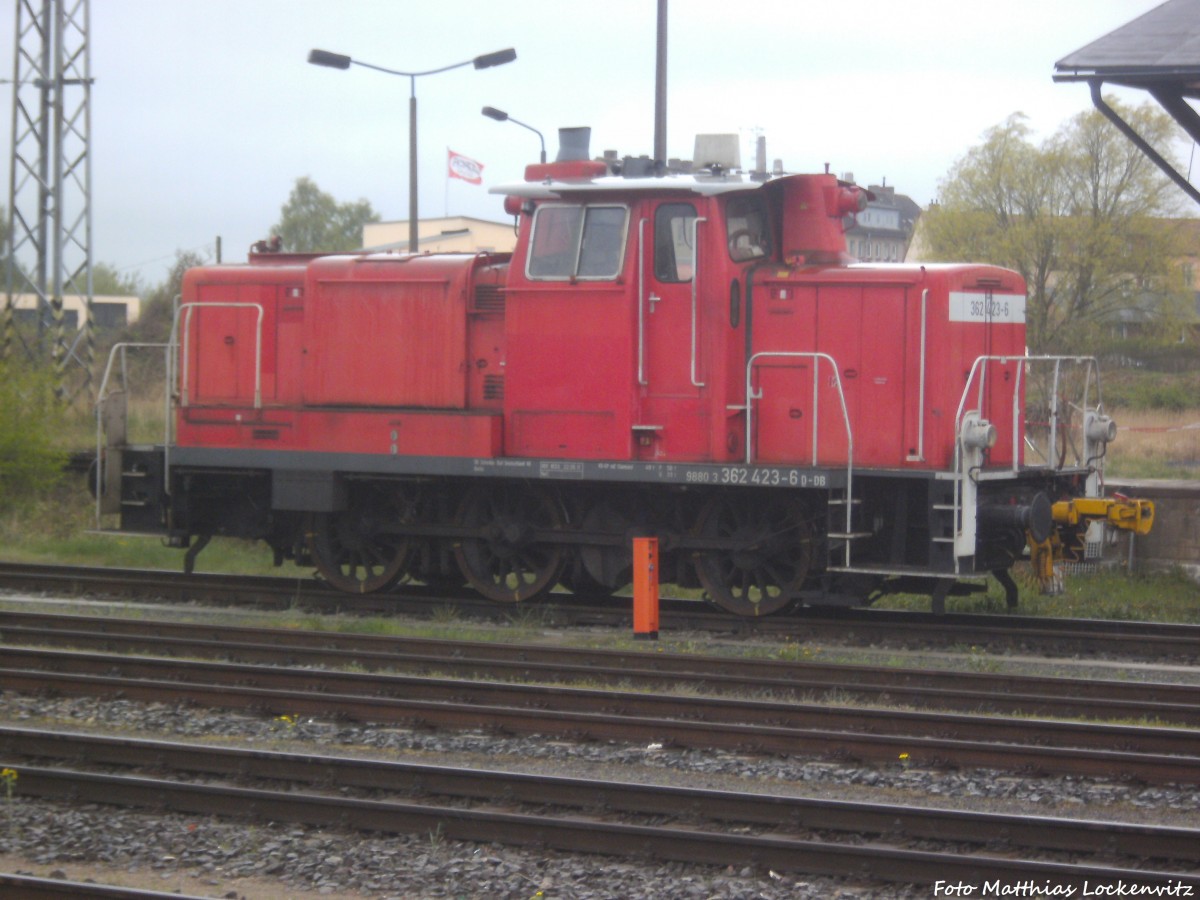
(578, 834)
(945, 690)
(919, 738)
(27, 887)
(797, 814)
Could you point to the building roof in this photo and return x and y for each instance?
(1158, 52)
(1157, 48)
(439, 221)
(460, 233)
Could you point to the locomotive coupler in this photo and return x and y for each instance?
(1117, 511)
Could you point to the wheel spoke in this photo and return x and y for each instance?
(358, 550)
(503, 563)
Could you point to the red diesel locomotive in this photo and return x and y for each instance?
(690, 356)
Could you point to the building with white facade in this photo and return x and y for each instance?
(882, 231)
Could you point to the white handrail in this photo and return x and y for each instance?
(1090, 362)
(695, 282)
(1018, 439)
(920, 454)
(641, 301)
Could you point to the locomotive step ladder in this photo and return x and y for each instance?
(842, 528)
(130, 479)
(939, 527)
(141, 495)
(837, 518)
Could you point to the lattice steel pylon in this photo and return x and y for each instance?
(49, 254)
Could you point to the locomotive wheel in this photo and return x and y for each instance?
(610, 566)
(771, 549)
(506, 563)
(355, 550)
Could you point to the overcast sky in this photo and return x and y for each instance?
(205, 113)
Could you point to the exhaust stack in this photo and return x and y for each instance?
(573, 144)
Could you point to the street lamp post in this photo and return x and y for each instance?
(501, 116)
(339, 61)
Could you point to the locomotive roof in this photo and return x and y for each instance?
(701, 183)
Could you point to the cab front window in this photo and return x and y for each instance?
(577, 242)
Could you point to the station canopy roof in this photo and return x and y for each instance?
(1158, 52)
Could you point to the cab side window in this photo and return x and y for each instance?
(673, 234)
(746, 228)
(572, 241)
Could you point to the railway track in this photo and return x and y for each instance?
(784, 833)
(865, 734)
(1177, 704)
(1140, 641)
(748, 705)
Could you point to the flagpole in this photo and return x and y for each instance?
(446, 187)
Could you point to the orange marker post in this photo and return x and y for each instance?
(645, 589)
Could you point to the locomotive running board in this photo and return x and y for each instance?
(899, 571)
(527, 468)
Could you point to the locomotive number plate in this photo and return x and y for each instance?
(762, 477)
(970, 306)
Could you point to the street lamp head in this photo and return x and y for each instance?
(338, 61)
(499, 58)
(501, 116)
(330, 60)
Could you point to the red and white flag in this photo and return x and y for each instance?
(464, 167)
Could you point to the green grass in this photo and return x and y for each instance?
(59, 529)
(1133, 389)
(1135, 468)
